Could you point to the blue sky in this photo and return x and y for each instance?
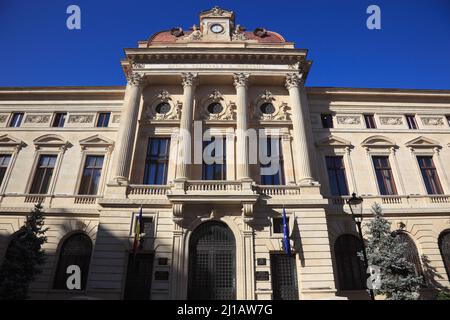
(412, 49)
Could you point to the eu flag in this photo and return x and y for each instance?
(286, 244)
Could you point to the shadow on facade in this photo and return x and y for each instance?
(433, 280)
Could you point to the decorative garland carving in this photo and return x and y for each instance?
(37, 118)
(352, 120)
(81, 118)
(391, 121)
(432, 121)
(164, 97)
(280, 112)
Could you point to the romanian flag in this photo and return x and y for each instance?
(286, 243)
(138, 229)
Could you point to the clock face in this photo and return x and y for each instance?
(217, 28)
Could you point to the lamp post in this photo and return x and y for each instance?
(355, 204)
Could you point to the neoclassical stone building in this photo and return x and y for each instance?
(95, 155)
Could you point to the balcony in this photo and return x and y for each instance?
(55, 201)
(399, 202)
(221, 192)
(215, 191)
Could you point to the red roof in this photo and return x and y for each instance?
(166, 37)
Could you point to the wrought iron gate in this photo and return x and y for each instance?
(284, 277)
(212, 263)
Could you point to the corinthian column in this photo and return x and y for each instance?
(184, 149)
(300, 119)
(241, 82)
(127, 129)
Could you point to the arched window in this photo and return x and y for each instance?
(444, 247)
(350, 267)
(411, 254)
(76, 250)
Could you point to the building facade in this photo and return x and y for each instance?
(94, 156)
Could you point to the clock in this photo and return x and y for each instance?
(217, 28)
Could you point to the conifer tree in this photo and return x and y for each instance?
(24, 257)
(386, 251)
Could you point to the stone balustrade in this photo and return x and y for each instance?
(396, 200)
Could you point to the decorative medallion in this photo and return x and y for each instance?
(162, 107)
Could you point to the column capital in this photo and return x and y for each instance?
(294, 80)
(240, 79)
(189, 78)
(135, 79)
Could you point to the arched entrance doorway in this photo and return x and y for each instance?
(212, 263)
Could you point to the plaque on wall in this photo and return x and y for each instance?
(162, 275)
(262, 276)
(261, 261)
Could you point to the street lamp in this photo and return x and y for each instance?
(355, 204)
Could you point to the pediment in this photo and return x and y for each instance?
(216, 12)
(422, 142)
(378, 141)
(96, 141)
(7, 140)
(333, 141)
(50, 140)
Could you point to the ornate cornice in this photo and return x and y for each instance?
(294, 80)
(241, 79)
(189, 78)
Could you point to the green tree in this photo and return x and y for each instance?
(24, 257)
(398, 278)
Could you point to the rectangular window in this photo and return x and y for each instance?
(103, 119)
(4, 162)
(91, 175)
(218, 169)
(278, 224)
(411, 121)
(157, 161)
(59, 120)
(327, 120)
(336, 176)
(429, 175)
(283, 271)
(43, 174)
(16, 120)
(370, 121)
(271, 173)
(384, 175)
